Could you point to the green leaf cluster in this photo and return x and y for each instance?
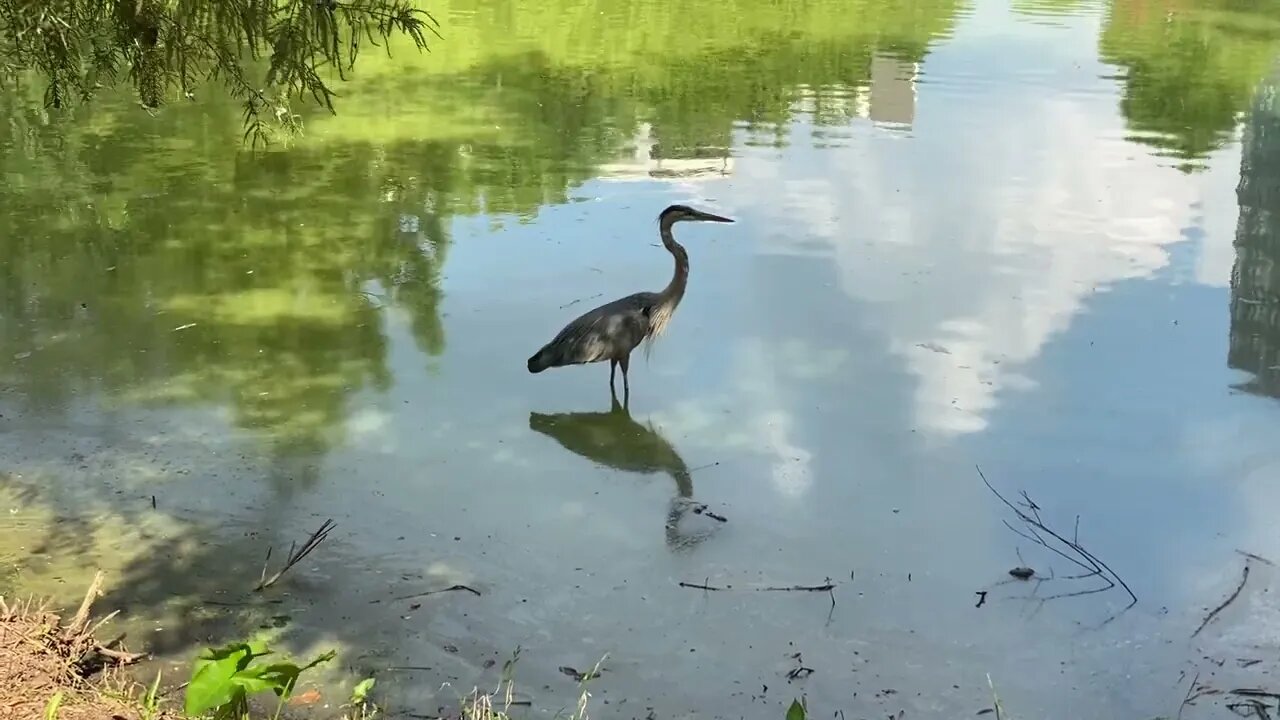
(223, 679)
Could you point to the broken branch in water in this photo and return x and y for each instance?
(701, 586)
(1035, 530)
(451, 588)
(80, 622)
(120, 656)
(1244, 577)
(76, 642)
(295, 555)
(826, 587)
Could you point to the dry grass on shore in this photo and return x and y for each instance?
(56, 670)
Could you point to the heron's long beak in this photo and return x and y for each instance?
(712, 218)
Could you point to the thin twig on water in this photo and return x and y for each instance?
(1035, 530)
(575, 302)
(825, 587)
(296, 555)
(703, 586)
(1253, 707)
(1256, 692)
(828, 587)
(1259, 558)
(1244, 577)
(451, 588)
(1186, 699)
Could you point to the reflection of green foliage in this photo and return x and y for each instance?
(201, 275)
(603, 34)
(695, 103)
(1048, 8)
(1191, 67)
(639, 59)
(148, 258)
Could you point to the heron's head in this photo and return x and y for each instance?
(684, 213)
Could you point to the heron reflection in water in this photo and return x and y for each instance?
(611, 331)
(615, 439)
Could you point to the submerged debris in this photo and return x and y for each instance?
(425, 593)
(800, 671)
(701, 509)
(578, 675)
(1244, 578)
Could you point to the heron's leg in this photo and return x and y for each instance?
(625, 362)
(613, 369)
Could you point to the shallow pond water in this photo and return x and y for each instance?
(1036, 238)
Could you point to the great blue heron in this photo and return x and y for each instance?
(611, 331)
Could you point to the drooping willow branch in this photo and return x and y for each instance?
(266, 53)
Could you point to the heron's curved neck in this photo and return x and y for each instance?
(675, 289)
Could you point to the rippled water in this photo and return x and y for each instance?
(1036, 238)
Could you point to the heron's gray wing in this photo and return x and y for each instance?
(611, 330)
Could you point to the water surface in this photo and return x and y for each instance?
(1038, 238)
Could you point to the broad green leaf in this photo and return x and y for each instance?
(361, 691)
(211, 674)
(278, 678)
(796, 711)
(221, 677)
